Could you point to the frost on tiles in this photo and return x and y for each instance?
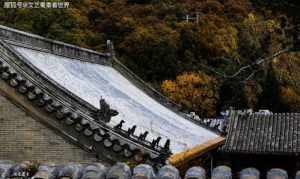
(92, 81)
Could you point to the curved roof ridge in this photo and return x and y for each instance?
(18, 37)
(36, 42)
(75, 118)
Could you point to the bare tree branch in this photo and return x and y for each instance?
(270, 58)
(213, 70)
(249, 77)
(248, 67)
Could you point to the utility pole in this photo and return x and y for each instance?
(196, 18)
(187, 18)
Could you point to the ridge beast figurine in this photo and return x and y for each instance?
(105, 113)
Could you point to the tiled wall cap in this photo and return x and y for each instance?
(249, 173)
(297, 175)
(44, 171)
(221, 172)
(195, 173)
(277, 173)
(143, 171)
(168, 172)
(119, 171)
(9, 170)
(94, 171)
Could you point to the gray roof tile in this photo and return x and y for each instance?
(31, 170)
(263, 134)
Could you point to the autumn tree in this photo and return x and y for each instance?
(196, 91)
(215, 36)
(250, 36)
(211, 39)
(150, 49)
(152, 38)
(286, 68)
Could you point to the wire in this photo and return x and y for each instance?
(248, 67)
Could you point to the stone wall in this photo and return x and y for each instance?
(24, 138)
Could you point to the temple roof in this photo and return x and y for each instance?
(67, 82)
(92, 82)
(263, 134)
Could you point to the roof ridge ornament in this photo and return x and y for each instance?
(111, 48)
(105, 113)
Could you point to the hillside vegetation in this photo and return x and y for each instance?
(190, 62)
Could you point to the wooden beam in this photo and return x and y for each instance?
(184, 157)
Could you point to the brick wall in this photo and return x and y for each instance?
(23, 138)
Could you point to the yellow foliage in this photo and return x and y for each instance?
(196, 91)
(145, 37)
(169, 86)
(251, 17)
(286, 68)
(128, 21)
(272, 25)
(254, 26)
(217, 35)
(80, 18)
(291, 98)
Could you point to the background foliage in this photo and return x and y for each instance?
(181, 58)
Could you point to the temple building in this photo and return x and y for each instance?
(60, 103)
(60, 97)
(262, 141)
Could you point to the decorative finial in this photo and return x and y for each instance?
(131, 130)
(105, 112)
(167, 145)
(155, 142)
(111, 48)
(143, 135)
(119, 126)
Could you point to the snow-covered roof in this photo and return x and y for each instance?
(79, 78)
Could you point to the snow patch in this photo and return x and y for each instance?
(92, 81)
